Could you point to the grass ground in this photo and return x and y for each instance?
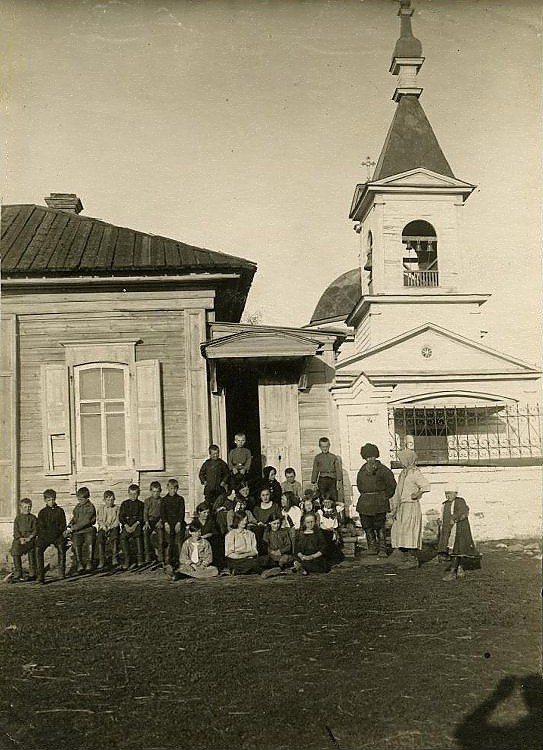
(359, 659)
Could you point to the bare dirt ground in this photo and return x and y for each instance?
(364, 658)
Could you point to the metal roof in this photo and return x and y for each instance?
(410, 143)
(339, 298)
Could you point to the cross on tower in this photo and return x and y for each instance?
(368, 164)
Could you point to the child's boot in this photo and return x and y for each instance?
(147, 546)
(17, 568)
(61, 557)
(40, 566)
(126, 554)
(77, 552)
(114, 552)
(372, 542)
(31, 565)
(88, 566)
(101, 556)
(381, 543)
(139, 551)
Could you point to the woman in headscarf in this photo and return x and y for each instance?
(376, 485)
(406, 532)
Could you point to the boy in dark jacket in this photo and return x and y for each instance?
(25, 528)
(376, 485)
(153, 536)
(214, 474)
(51, 526)
(172, 515)
(82, 530)
(131, 520)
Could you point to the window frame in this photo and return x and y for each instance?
(128, 417)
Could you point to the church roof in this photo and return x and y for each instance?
(410, 143)
(339, 299)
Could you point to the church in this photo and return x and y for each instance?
(122, 354)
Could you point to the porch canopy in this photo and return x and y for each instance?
(258, 376)
(231, 341)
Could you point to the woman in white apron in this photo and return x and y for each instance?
(406, 532)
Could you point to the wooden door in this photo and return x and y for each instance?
(279, 424)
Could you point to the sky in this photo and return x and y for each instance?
(241, 125)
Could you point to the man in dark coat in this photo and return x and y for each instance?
(376, 485)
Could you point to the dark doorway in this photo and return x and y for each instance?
(240, 384)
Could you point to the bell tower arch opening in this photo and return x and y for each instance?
(420, 260)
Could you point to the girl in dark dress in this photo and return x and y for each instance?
(263, 512)
(310, 548)
(310, 506)
(455, 537)
(279, 544)
(270, 482)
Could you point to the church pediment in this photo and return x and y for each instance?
(423, 178)
(432, 350)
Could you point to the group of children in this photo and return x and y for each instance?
(265, 527)
(269, 527)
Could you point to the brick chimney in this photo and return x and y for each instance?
(65, 202)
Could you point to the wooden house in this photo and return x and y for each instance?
(122, 358)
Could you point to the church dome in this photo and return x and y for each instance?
(339, 298)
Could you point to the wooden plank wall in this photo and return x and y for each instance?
(314, 405)
(162, 337)
(8, 416)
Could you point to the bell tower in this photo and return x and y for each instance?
(408, 217)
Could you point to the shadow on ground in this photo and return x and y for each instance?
(479, 732)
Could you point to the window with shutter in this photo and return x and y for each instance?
(57, 455)
(101, 395)
(150, 453)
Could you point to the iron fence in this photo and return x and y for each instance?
(495, 434)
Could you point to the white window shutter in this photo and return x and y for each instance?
(150, 453)
(57, 454)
